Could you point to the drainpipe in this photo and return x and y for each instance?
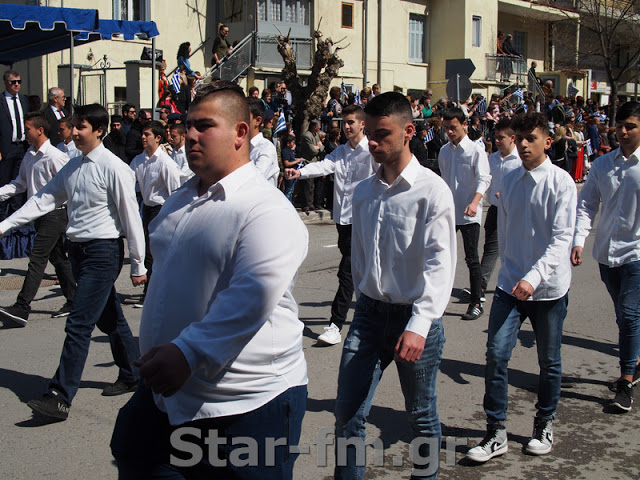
(365, 21)
(577, 40)
(379, 42)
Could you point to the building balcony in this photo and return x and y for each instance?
(506, 69)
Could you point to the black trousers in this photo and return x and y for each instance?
(470, 238)
(342, 300)
(490, 251)
(47, 246)
(148, 214)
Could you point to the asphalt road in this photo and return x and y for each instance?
(589, 442)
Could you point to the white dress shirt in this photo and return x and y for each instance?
(265, 157)
(350, 166)
(69, 148)
(226, 300)
(99, 189)
(10, 103)
(613, 181)
(403, 248)
(57, 112)
(499, 167)
(536, 217)
(157, 175)
(179, 155)
(37, 168)
(465, 168)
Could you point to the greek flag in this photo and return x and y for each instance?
(482, 105)
(588, 148)
(358, 96)
(281, 125)
(573, 91)
(579, 118)
(344, 90)
(429, 136)
(518, 93)
(175, 81)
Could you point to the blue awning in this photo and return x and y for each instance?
(29, 31)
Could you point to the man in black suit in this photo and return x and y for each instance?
(13, 108)
(53, 112)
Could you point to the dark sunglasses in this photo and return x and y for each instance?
(15, 82)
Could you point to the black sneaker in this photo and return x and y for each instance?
(50, 405)
(119, 388)
(16, 314)
(63, 312)
(473, 312)
(636, 379)
(541, 439)
(624, 396)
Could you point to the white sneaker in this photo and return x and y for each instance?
(541, 438)
(493, 444)
(331, 335)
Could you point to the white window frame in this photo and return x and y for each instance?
(118, 14)
(417, 35)
(476, 31)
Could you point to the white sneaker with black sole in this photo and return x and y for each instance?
(331, 335)
(493, 444)
(541, 439)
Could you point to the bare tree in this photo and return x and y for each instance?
(307, 100)
(609, 39)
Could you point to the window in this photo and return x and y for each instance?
(520, 42)
(416, 38)
(347, 15)
(130, 9)
(476, 31)
(284, 11)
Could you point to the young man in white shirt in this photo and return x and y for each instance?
(403, 264)
(262, 152)
(65, 131)
(99, 191)
(220, 334)
(158, 177)
(39, 165)
(535, 225)
(614, 182)
(464, 166)
(350, 163)
(177, 134)
(501, 162)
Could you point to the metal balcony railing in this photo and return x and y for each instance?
(507, 69)
(235, 64)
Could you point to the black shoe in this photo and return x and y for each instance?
(63, 312)
(16, 314)
(119, 388)
(624, 396)
(636, 379)
(50, 405)
(473, 312)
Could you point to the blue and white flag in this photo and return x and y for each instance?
(281, 125)
(482, 105)
(344, 91)
(573, 91)
(518, 93)
(429, 136)
(579, 117)
(175, 81)
(588, 148)
(357, 98)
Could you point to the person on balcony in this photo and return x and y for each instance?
(221, 47)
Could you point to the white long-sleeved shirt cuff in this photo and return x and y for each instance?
(534, 278)
(579, 241)
(419, 325)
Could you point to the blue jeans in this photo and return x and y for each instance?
(142, 442)
(506, 318)
(368, 350)
(96, 265)
(623, 284)
(289, 187)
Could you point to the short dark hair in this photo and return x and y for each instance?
(528, 122)
(66, 121)
(126, 107)
(10, 73)
(629, 109)
(454, 113)
(289, 138)
(253, 89)
(505, 125)
(389, 104)
(256, 107)
(95, 115)
(179, 127)
(156, 128)
(39, 121)
(353, 110)
(237, 109)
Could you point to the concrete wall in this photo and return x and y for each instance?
(536, 36)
